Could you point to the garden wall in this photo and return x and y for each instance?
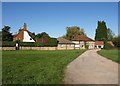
(35, 48)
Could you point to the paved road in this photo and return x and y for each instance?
(91, 68)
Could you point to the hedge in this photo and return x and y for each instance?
(8, 44)
(52, 43)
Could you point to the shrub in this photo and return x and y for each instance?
(108, 46)
(27, 44)
(37, 44)
(8, 44)
(52, 42)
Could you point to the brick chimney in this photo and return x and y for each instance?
(25, 26)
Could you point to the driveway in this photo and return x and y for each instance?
(91, 68)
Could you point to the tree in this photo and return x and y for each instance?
(116, 41)
(6, 35)
(42, 35)
(110, 34)
(72, 32)
(101, 31)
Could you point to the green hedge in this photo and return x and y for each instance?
(8, 44)
(26, 44)
(52, 43)
(31, 44)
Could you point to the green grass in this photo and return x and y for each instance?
(36, 67)
(110, 54)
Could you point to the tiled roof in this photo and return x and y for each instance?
(111, 43)
(63, 41)
(20, 34)
(82, 38)
(99, 43)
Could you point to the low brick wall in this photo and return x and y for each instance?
(7, 48)
(35, 48)
(38, 48)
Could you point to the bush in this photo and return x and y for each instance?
(51, 43)
(8, 44)
(27, 44)
(107, 46)
(37, 44)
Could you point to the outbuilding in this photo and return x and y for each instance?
(65, 44)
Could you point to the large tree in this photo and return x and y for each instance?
(6, 35)
(42, 35)
(73, 32)
(116, 41)
(110, 34)
(101, 31)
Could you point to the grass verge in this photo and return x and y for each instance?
(110, 54)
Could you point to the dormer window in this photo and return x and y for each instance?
(30, 38)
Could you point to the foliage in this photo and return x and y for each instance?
(48, 41)
(86, 45)
(36, 67)
(37, 44)
(42, 35)
(107, 46)
(116, 41)
(27, 44)
(72, 32)
(8, 44)
(105, 34)
(110, 34)
(53, 42)
(6, 35)
(110, 54)
(101, 31)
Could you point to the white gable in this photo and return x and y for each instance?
(27, 37)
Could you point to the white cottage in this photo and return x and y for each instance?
(23, 35)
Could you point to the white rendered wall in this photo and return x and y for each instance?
(102, 46)
(76, 42)
(27, 37)
(77, 45)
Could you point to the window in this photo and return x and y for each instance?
(30, 38)
(99, 46)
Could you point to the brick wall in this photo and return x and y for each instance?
(35, 48)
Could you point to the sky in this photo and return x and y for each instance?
(54, 17)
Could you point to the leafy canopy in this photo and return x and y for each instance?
(73, 31)
(6, 35)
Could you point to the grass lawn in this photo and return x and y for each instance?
(36, 67)
(110, 54)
